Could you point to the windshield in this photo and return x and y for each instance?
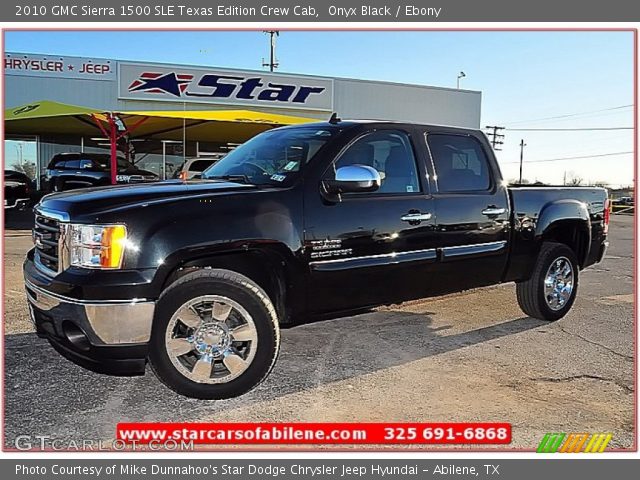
(274, 157)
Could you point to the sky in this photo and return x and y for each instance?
(527, 80)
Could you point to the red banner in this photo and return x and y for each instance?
(315, 433)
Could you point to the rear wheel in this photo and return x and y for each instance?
(215, 335)
(551, 290)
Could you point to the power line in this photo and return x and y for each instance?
(585, 129)
(570, 115)
(573, 158)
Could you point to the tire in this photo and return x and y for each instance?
(531, 294)
(233, 298)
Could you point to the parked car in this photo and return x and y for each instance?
(299, 223)
(17, 190)
(193, 167)
(627, 201)
(79, 170)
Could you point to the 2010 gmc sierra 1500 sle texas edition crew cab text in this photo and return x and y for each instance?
(298, 223)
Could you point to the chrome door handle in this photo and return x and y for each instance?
(415, 217)
(493, 211)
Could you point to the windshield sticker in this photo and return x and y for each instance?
(278, 178)
(290, 166)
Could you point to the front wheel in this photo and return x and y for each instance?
(551, 290)
(215, 335)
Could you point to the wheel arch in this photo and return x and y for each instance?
(268, 266)
(567, 222)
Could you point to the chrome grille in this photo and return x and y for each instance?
(46, 236)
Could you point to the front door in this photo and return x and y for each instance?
(372, 248)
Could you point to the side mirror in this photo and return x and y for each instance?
(354, 178)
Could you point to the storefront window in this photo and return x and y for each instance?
(21, 155)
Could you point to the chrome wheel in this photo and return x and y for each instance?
(211, 339)
(558, 283)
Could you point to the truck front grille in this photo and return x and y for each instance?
(46, 235)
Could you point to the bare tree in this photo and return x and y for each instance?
(574, 180)
(28, 168)
(516, 181)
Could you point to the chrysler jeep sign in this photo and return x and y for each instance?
(178, 84)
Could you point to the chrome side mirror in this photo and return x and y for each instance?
(354, 178)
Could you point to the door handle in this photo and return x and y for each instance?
(494, 211)
(415, 217)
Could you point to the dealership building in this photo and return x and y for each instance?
(161, 114)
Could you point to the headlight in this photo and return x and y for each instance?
(96, 246)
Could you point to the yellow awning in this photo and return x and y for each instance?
(236, 126)
(235, 116)
(45, 108)
(45, 117)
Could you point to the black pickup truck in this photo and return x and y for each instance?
(81, 170)
(299, 223)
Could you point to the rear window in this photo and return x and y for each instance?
(200, 165)
(71, 164)
(58, 162)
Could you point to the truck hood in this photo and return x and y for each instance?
(98, 201)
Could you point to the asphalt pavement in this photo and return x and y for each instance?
(472, 356)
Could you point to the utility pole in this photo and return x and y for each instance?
(522, 145)
(273, 63)
(497, 138)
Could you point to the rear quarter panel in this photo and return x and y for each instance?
(536, 209)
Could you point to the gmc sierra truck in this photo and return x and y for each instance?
(299, 223)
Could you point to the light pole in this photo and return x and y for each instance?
(460, 75)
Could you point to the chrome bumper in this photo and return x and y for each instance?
(108, 322)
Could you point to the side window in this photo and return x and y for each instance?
(460, 163)
(58, 165)
(390, 153)
(72, 165)
(86, 164)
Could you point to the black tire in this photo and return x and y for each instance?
(531, 295)
(238, 288)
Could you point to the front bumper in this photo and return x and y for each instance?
(104, 336)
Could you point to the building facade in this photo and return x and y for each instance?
(113, 85)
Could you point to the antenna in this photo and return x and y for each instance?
(273, 62)
(334, 120)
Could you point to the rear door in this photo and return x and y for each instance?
(372, 248)
(471, 208)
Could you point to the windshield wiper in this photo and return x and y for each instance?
(239, 178)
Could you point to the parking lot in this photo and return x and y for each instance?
(468, 357)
